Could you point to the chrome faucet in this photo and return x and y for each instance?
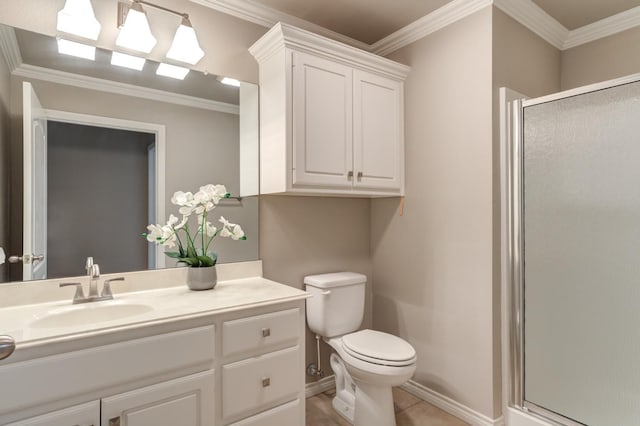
(93, 271)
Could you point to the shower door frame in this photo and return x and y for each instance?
(515, 407)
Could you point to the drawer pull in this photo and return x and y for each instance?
(266, 332)
(266, 382)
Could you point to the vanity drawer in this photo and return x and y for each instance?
(260, 331)
(286, 414)
(54, 378)
(254, 383)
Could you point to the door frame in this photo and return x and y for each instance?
(156, 253)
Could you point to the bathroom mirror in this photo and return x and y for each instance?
(119, 143)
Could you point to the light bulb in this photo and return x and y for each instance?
(77, 18)
(135, 34)
(185, 46)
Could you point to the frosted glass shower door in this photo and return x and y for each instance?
(581, 213)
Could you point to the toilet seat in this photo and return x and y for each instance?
(379, 348)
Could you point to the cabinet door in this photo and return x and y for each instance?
(378, 132)
(187, 401)
(80, 415)
(322, 110)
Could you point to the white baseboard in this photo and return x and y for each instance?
(450, 406)
(322, 385)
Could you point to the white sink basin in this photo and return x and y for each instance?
(89, 313)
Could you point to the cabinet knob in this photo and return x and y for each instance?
(359, 175)
(266, 332)
(7, 346)
(266, 382)
(350, 174)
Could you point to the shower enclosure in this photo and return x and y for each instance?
(571, 261)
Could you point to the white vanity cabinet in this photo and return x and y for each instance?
(243, 366)
(81, 415)
(331, 117)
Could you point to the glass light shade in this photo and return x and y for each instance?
(127, 61)
(230, 81)
(67, 47)
(172, 71)
(77, 17)
(185, 46)
(135, 34)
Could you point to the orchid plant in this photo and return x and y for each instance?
(193, 247)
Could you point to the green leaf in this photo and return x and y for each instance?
(191, 251)
(173, 254)
(191, 261)
(206, 261)
(213, 257)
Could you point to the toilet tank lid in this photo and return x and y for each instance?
(335, 279)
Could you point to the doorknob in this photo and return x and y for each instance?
(27, 258)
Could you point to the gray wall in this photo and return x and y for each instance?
(608, 58)
(432, 267)
(5, 134)
(302, 236)
(107, 169)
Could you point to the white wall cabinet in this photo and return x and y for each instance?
(331, 117)
(244, 367)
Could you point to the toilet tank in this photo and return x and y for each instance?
(337, 303)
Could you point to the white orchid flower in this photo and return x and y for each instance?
(214, 192)
(210, 229)
(181, 225)
(161, 235)
(172, 220)
(186, 210)
(231, 230)
(201, 197)
(2, 256)
(182, 198)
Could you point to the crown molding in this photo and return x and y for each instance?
(287, 36)
(537, 20)
(440, 18)
(9, 47)
(267, 17)
(92, 83)
(526, 12)
(614, 24)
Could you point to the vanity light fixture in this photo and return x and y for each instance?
(68, 47)
(77, 18)
(127, 61)
(185, 46)
(229, 81)
(135, 33)
(172, 71)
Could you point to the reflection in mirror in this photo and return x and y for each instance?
(91, 153)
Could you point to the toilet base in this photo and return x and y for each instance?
(344, 401)
(374, 405)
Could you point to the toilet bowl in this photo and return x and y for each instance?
(366, 363)
(374, 362)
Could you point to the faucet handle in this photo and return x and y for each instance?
(95, 271)
(89, 264)
(79, 296)
(106, 289)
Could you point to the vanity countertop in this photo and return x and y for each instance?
(44, 323)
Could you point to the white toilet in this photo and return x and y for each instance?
(368, 363)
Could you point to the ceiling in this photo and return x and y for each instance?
(371, 20)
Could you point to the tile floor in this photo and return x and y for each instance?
(410, 411)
